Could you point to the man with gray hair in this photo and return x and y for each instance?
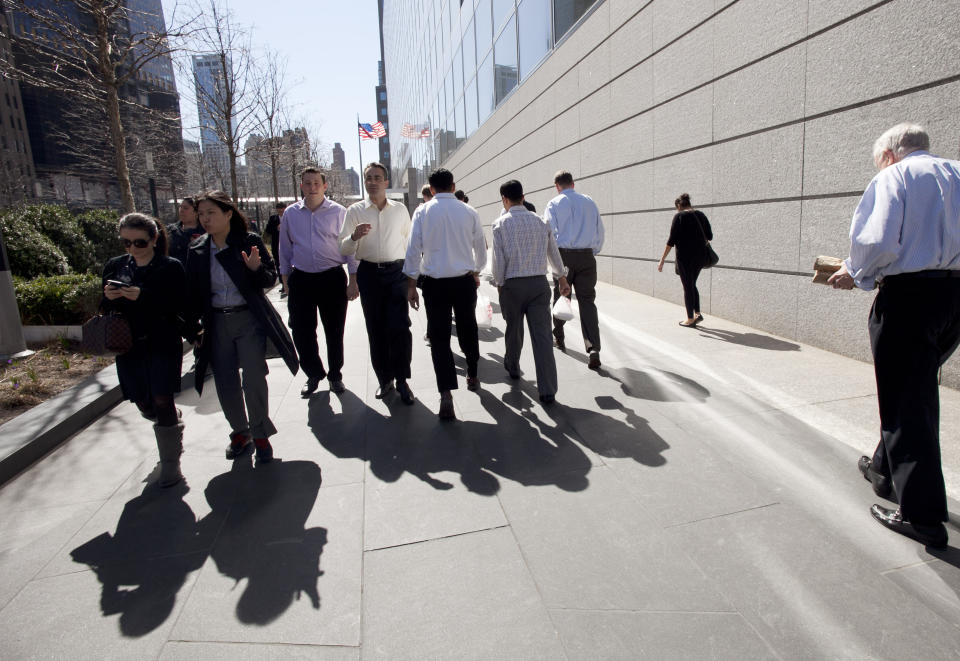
(905, 239)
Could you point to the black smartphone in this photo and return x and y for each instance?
(117, 284)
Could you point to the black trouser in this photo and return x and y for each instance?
(327, 292)
(440, 295)
(914, 327)
(383, 295)
(582, 276)
(688, 278)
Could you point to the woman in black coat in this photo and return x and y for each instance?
(229, 319)
(147, 288)
(690, 232)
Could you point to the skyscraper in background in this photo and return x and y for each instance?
(208, 78)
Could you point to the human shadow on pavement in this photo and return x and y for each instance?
(652, 384)
(753, 340)
(608, 437)
(413, 440)
(264, 540)
(145, 562)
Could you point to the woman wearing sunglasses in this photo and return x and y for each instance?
(229, 320)
(146, 286)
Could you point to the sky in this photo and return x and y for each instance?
(331, 48)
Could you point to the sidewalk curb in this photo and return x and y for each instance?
(31, 435)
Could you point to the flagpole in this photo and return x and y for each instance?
(359, 148)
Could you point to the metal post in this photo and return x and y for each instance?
(12, 344)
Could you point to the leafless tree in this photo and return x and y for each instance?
(227, 100)
(90, 50)
(272, 110)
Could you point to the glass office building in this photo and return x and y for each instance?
(764, 112)
(451, 63)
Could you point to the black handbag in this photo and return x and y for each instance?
(710, 257)
(106, 334)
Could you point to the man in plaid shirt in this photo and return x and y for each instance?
(523, 245)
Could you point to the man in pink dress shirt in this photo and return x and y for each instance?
(312, 268)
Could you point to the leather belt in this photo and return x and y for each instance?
(916, 275)
(382, 265)
(231, 309)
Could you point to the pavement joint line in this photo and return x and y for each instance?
(720, 516)
(562, 609)
(256, 642)
(919, 563)
(436, 539)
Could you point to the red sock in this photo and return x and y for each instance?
(262, 442)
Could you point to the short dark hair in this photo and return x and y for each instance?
(425, 192)
(386, 175)
(280, 205)
(313, 170)
(512, 190)
(441, 180)
(563, 179)
(683, 201)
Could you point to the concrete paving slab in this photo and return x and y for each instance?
(464, 597)
(30, 538)
(599, 549)
(808, 592)
(286, 565)
(122, 612)
(634, 636)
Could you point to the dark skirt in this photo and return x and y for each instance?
(151, 367)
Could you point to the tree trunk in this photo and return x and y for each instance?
(273, 172)
(108, 81)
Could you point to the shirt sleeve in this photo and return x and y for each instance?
(414, 257)
(352, 262)
(674, 230)
(286, 243)
(549, 217)
(598, 235)
(498, 264)
(875, 230)
(479, 243)
(554, 261)
(347, 245)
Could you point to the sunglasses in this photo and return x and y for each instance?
(139, 243)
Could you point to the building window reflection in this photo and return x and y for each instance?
(533, 30)
(505, 60)
(568, 12)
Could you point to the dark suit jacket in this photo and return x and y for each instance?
(251, 285)
(157, 312)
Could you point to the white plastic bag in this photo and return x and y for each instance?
(562, 309)
(484, 312)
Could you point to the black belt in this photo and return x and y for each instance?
(590, 250)
(382, 265)
(231, 309)
(933, 273)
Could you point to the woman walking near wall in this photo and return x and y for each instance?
(689, 232)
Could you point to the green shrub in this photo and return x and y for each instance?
(100, 227)
(58, 300)
(59, 225)
(30, 252)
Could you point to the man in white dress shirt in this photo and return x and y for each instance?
(905, 238)
(578, 229)
(376, 231)
(448, 249)
(523, 246)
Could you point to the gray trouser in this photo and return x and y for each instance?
(530, 298)
(240, 345)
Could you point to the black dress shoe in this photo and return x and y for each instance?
(406, 395)
(311, 385)
(594, 362)
(547, 399)
(384, 389)
(881, 483)
(559, 343)
(932, 535)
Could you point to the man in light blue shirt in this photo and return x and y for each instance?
(576, 224)
(905, 237)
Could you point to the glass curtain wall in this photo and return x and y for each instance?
(450, 63)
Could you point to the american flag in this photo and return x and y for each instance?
(372, 132)
(414, 132)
